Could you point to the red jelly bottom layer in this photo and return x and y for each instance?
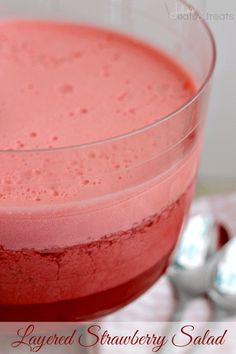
(89, 280)
(88, 307)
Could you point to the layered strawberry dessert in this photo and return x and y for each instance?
(94, 183)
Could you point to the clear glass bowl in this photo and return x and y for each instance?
(106, 234)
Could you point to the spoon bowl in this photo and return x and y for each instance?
(201, 238)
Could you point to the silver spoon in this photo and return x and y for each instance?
(202, 237)
(221, 285)
(221, 282)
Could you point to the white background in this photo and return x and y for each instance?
(219, 153)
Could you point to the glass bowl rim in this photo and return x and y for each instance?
(154, 124)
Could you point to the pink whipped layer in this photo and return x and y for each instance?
(66, 85)
(69, 85)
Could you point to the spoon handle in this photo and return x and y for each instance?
(177, 316)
